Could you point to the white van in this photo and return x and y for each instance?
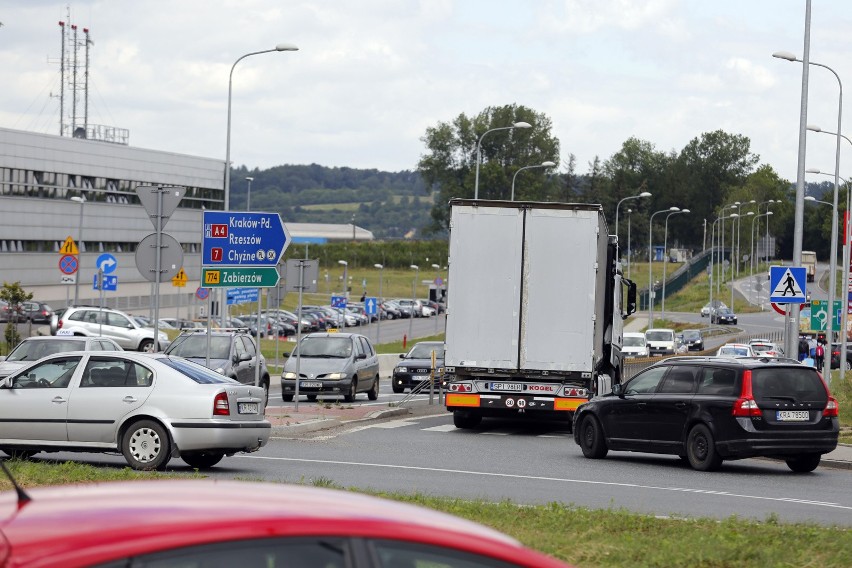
(634, 345)
(661, 341)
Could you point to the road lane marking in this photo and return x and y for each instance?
(710, 492)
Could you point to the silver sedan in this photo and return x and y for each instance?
(149, 407)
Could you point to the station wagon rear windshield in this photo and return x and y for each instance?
(196, 372)
(799, 384)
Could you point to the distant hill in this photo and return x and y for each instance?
(390, 204)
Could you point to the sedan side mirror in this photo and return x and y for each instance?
(360, 356)
(618, 390)
(402, 355)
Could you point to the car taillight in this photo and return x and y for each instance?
(220, 405)
(59, 324)
(830, 408)
(745, 404)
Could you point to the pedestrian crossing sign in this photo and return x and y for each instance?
(787, 284)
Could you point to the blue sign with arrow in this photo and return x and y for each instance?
(106, 263)
(242, 239)
(370, 306)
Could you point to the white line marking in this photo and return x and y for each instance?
(565, 480)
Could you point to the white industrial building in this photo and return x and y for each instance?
(41, 173)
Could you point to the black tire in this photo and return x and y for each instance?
(264, 382)
(397, 388)
(19, 454)
(804, 463)
(353, 390)
(701, 449)
(466, 419)
(287, 397)
(202, 460)
(848, 365)
(373, 393)
(145, 345)
(146, 446)
(592, 439)
(312, 398)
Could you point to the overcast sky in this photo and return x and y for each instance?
(371, 75)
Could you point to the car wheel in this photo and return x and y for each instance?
(202, 460)
(701, 449)
(353, 389)
(265, 384)
(19, 454)
(146, 344)
(466, 419)
(146, 446)
(592, 439)
(312, 398)
(287, 397)
(373, 393)
(804, 463)
(848, 365)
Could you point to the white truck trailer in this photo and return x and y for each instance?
(534, 309)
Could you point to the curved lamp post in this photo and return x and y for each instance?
(249, 179)
(547, 164)
(665, 260)
(650, 263)
(753, 252)
(643, 194)
(713, 248)
(479, 151)
(832, 284)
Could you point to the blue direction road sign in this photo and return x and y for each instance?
(110, 283)
(243, 239)
(242, 295)
(787, 284)
(106, 263)
(370, 306)
(338, 301)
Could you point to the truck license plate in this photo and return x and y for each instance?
(793, 415)
(310, 385)
(247, 408)
(513, 387)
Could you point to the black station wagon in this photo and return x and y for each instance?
(710, 409)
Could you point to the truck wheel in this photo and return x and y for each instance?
(701, 449)
(466, 419)
(804, 463)
(592, 439)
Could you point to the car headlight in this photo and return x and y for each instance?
(335, 376)
(289, 375)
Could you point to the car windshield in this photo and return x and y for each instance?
(196, 346)
(325, 347)
(659, 336)
(725, 311)
(424, 351)
(32, 350)
(196, 372)
(634, 341)
(691, 334)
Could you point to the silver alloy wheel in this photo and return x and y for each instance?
(145, 445)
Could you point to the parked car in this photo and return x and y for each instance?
(393, 309)
(119, 326)
(766, 349)
(416, 366)
(332, 363)
(692, 339)
(634, 345)
(257, 525)
(710, 306)
(7, 314)
(38, 346)
(723, 315)
(707, 410)
(36, 312)
(835, 356)
(735, 350)
(148, 406)
(232, 353)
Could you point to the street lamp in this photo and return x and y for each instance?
(650, 276)
(739, 224)
(479, 151)
(413, 297)
(713, 248)
(345, 288)
(643, 194)
(279, 47)
(82, 201)
(832, 285)
(248, 194)
(379, 302)
(629, 211)
(734, 205)
(766, 242)
(547, 164)
(753, 250)
(665, 260)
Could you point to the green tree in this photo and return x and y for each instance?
(449, 165)
(13, 295)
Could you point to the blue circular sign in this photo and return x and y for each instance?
(106, 263)
(202, 293)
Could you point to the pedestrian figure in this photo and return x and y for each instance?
(789, 284)
(820, 356)
(804, 348)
